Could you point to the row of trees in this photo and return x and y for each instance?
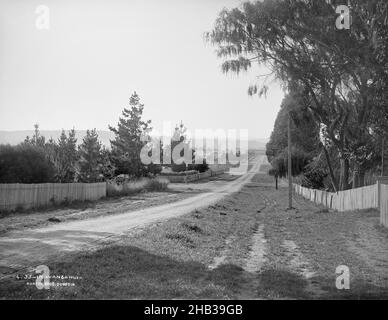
(308, 160)
(38, 161)
(338, 79)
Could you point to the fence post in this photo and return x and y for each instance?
(380, 181)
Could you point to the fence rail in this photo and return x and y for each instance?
(13, 196)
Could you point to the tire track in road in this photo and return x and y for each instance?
(299, 265)
(256, 258)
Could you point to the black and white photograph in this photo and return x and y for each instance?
(194, 155)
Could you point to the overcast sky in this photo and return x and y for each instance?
(80, 73)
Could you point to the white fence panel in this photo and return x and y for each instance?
(27, 196)
(355, 199)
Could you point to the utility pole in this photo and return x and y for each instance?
(276, 181)
(382, 157)
(289, 164)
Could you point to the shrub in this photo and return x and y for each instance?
(199, 167)
(154, 169)
(314, 176)
(131, 187)
(24, 163)
(157, 185)
(182, 173)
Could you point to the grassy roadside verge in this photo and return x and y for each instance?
(306, 245)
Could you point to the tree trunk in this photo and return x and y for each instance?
(332, 177)
(361, 178)
(355, 179)
(344, 177)
(358, 176)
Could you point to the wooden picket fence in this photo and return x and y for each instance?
(370, 197)
(27, 196)
(16, 196)
(355, 199)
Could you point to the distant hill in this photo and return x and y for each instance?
(257, 144)
(15, 137)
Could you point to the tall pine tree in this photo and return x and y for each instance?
(66, 157)
(37, 139)
(128, 142)
(90, 159)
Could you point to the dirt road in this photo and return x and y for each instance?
(22, 249)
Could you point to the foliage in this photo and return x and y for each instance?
(340, 74)
(304, 131)
(116, 188)
(24, 163)
(36, 139)
(199, 167)
(180, 173)
(130, 138)
(299, 160)
(154, 169)
(107, 168)
(65, 156)
(182, 143)
(305, 139)
(314, 175)
(90, 158)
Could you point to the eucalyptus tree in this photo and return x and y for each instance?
(299, 42)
